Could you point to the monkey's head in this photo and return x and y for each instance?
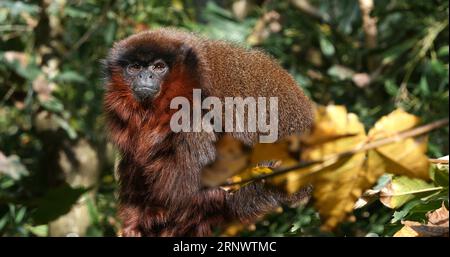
(145, 64)
(145, 72)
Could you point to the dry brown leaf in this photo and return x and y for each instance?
(13, 56)
(43, 88)
(439, 217)
(241, 8)
(361, 80)
(437, 225)
(417, 229)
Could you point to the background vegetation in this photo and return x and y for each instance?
(56, 168)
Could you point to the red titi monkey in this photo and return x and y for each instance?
(159, 171)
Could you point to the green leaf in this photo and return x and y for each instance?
(41, 230)
(423, 85)
(19, 7)
(394, 52)
(66, 127)
(93, 211)
(390, 87)
(340, 72)
(12, 166)
(400, 215)
(20, 215)
(419, 211)
(443, 51)
(56, 202)
(438, 67)
(439, 174)
(110, 32)
(402, 189)
(326, 46)
(441, 195)
(53, 105)
(3, 221)
(70, 76)
(382, 181)
(73, 12)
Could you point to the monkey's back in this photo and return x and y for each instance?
(237, 71)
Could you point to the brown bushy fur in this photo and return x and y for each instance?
(160, 189)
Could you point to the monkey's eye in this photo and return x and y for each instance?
(159, 66)
(134, 68)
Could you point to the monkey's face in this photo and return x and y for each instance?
(146, 77)
(144, 70)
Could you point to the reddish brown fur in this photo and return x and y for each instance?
(135, 130)
(160, 189)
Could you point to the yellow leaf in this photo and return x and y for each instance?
(276, 151)
(232, 158)
(337, 186)
(291, 181)
(251, 173)
(406, 231)
(395, 122)
(406, 157)
(177, 5)
(330, 122)
(233, 229)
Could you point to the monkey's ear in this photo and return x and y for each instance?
(189, 57)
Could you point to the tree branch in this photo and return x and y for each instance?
(372, 145)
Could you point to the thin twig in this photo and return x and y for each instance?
(369, 23)
(372, 145)
(369, 28)
(438, 161)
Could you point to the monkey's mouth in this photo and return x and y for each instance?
(144, 93)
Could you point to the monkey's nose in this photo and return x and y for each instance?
(146, 85)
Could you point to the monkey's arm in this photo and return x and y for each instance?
(129, 208)
(250, 201)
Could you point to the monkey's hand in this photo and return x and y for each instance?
(130, 217)
(257, 199)
(298, 198)
(131, 232)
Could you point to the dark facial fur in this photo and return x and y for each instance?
(160, 190)
(145, 70)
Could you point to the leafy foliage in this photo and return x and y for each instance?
(340, 160)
